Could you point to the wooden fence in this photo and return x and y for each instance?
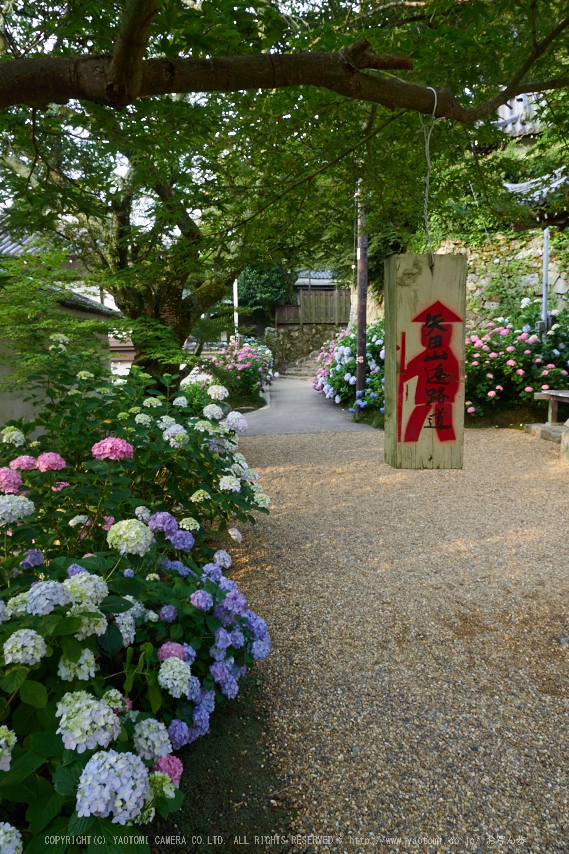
(316, 307)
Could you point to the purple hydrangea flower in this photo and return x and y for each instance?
(359, 394)
(182, 540)
(219, 671)
(237, 638)
(225, 617)
(236, 603)
(168, 613)
(257, 625)
(226, 584)
(190, 653)
(33, 558)
(212, 571)
(201, 599)
(261, 648)
(222, 639)
(129, 573)
(179, 733)
(176, 566)
(163, 522)
(207, 700)
(216, 653)
(194, 688)
(230, 687)
(201, 719)
(75, 569)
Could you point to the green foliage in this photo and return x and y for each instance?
(336, 374)
(264, 287)
(119, 623)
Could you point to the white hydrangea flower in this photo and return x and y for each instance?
(127, 627)
(15, 507)
(10, 839)
(203, 427)
(115, 783)
(17, 605)
(213, 411)
(152, 403)
(236, 421)
(199, 496)
(143, 514)
(250, 476)
(78, 520)
(235, 534)
(222, 559)
(144, 419)
(261, 499)
(4, 611)
(24, 647)
(138, 609)
(59, 338)
(229, 483)
(115, 700)
(174, 676)
(151, 739)
(7, 741)
(175, 435)
(85, 375)
(86, 589)
(84, 669)
(217, 392)
(90, 625)
(161, 785)
(165, 421)
(188, 523)
(86, 722)
(43, 597)
(130, 537)
(180, 401)
(13, 436)
(152, 576)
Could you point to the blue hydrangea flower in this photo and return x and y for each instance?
(182, 540)
(163, 522)
(75, 569)
(179, 733)
(168, 613)
(129, 573)
(190, 655)
(33, 558)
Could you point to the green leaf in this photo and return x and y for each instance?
(20, 769)
(126, 586)
(34, 694)
(66, 626)
(78, 825)
(47, 743)
(14, 679)
(154, 693)
(24, 720)
(212, 624)
(66, 778)
(28, 791)
(72, 649)
(129, 847)
(102, 834)
(111, 641)
(44, 810)
(176, 631)
(115, 605)
(46, 839)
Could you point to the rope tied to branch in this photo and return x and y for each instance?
(427, 130)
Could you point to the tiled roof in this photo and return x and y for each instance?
(9, 246)
(537, 190)
(315, 274)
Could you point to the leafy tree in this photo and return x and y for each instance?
(263, 288)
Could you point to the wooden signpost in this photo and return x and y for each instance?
(424, 361)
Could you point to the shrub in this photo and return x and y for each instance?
(244, 368)
(336, 374)
(119, 629)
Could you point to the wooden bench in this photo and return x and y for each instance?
(553, 397)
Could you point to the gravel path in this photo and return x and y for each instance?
(417, 687)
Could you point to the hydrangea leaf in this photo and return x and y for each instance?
(20, 769)
(14, 679)
(72, 649)
(111, 641)
(42, 811)
(47, 743)
(34, 694)
(115, 605)
(66, 626)
(79, 825)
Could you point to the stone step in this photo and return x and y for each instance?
(550, 432)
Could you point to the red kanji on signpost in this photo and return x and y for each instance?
(438, 377)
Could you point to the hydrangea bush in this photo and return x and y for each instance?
(120, 631)
(250, 364)
(336, 374)
(506, 361)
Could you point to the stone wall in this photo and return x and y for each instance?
(511, 268)
(292, 342)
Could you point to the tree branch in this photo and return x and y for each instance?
(125, 72)
(40, 81)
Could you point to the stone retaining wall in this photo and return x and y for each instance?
(290, 343)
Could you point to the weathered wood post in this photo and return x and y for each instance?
(424, 361)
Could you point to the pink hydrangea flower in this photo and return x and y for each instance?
(171, 766)
(170, 649)
(471, 409)
(25, 463)
(511, 362)
(504, 331)
(474, 363)
(544, 373)
(523, 337)
(490, 376)
(564, 373)
(545, 387)
(493, 355)
(510, 349)
(527, 352)
(520, 372)
(538, 360)
(528, 388)
(490, 323)
(491, 394)
(551, 366)
(50, 462)
(109, 522)
(468, 403)
(10, 481)
(500, 387)
(61, 484)
(112, 448)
